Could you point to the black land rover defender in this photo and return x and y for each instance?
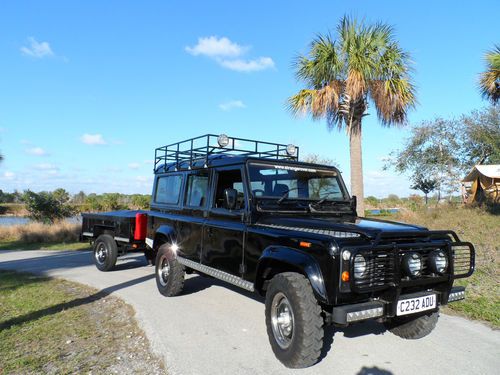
(249, 213)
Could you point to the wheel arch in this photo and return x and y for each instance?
(164, 234)
(279, 259)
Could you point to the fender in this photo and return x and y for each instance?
(292, 260)
(165, 231)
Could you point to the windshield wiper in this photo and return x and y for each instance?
(284, 196)
(324, 199)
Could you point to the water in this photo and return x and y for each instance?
(19, 220)
(384, 211)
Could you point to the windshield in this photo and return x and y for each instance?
(294, 182)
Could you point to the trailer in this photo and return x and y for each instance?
(114, 234)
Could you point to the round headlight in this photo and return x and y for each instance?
(291, 150)
(359, 266)
(346, 255)
(438, 262)
(223, 140)
(412, 264)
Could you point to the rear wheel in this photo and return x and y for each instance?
(105, 252)
(169, 272)
(293, 319)
(412, 328)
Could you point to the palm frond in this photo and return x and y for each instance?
(489, 80)
(300, 103)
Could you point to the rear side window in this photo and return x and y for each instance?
(196, 193)
(168, 189)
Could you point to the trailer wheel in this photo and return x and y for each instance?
(105, 252)
(169, 272)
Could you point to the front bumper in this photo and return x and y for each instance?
(347, 314)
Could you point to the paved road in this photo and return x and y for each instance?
(214, 328)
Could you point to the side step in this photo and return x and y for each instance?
(221, 275)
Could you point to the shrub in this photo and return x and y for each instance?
(47, 207)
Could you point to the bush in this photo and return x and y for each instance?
(47, 207)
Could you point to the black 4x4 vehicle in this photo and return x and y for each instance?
(249, 213)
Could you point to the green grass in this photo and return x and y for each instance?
(20, 245)
(481, 228)
(56, 326)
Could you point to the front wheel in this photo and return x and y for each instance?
(105, 252)
(169, 272)
(293, 319)
(412, 328)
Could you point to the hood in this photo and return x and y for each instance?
(369, 227)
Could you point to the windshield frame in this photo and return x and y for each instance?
(296, 166)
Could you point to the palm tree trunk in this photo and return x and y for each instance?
(356, 165)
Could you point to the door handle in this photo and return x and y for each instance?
(210, 232)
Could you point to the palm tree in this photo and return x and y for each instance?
(362, 64)
(489, 81)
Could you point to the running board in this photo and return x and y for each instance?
(221, 275)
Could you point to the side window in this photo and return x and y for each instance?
(229, 179)
(196, 193)
(168, 189)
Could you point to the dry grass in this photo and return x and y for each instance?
(482, 229)
(41, 233)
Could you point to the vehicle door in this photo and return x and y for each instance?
(190, 223)
(224, 233)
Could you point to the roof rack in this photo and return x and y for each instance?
(205, 146)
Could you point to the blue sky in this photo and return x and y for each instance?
(88, 89)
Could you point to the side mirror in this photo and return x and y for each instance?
(230, 198)
(354, 204)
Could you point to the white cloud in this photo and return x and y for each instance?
(46, 167)
(134, 165)
(216, 47)
(228, 54)
(232, 104)
(9, 175)
(93, 139)
(37, 49)
(37, 151)
(241, 65)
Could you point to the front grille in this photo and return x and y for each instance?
(463, 260)
(380, 271)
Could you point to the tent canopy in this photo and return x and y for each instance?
(490, 171)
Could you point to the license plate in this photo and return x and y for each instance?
(415, 305)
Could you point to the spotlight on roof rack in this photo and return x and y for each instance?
(291, 150)
(223, 140)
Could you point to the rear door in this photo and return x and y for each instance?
(190, 224)
(224, 232)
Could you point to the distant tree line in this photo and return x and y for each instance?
(50, 206)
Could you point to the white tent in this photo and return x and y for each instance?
(483, 181)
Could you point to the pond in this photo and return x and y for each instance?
(20, 220)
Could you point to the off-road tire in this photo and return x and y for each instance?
(306, 340)
(413, 328)
(105, 252)
(171, 282)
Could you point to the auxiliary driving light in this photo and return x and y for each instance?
(359, 266)
(365, 314)
(438, 262)
(223, 140)
(412, 264)
(291, 150)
